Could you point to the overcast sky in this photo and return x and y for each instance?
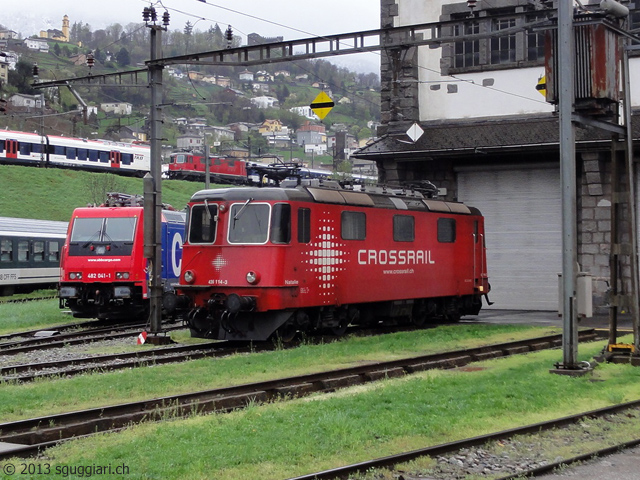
(288, 18)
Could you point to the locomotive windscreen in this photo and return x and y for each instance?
(88, 233)
(249, 223)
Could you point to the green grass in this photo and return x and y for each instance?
(281, 440)
(52, 396)
(52, 193)
(17, 317)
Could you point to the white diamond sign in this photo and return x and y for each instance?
(415, 132)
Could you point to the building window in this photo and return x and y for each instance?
(466, 52)
(503, 47)
(519, 47)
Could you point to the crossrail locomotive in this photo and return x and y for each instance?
(271, 261)
(104, 273)
(32, 149)
(29, 254)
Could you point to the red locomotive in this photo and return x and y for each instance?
(186, 166)
(270, 261)
(103, 271)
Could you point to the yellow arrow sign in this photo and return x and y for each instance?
(542, 86)
(322, 105)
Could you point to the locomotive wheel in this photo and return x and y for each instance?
(286, 333)
(341, 329)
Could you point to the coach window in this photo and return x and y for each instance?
(58, 150)
(23, 251)
(82, 154)
(249, 222)
(93, 155)
(25, 148)
(71, 153)
(304, 225)
(104, 157)
(446, 230)
(404, 228)
(54, 251)
(6, 250)
(354, 225)
(38, 251)
(281, 223)
(127, 159)
(202, 226)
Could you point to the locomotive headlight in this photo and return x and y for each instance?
(122, 275)
(189, 276)
(253, 277)
(75, 276)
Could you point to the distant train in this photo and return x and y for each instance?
(189, 166)
(264, 262)
(30, 254)
(104, 273)
(32, 149)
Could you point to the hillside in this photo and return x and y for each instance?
(52, 194)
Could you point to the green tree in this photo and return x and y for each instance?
(123, 58)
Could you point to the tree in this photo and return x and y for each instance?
(22, 77)
(123, 58)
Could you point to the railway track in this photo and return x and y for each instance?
(469, 443)
(58, 340)
(103, 363)
(33, 435)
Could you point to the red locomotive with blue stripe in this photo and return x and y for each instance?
(104, 273)
(259, 262)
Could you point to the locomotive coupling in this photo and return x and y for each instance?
(236, 303)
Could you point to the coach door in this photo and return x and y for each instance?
(11, 147)
(114, 158)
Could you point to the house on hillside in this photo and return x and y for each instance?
(39, 44)
(245, 76)
(265, 102)
(305, 111)
(270, 126)
(119, 108)
(190, 142)
(26, 101)
(7, 34)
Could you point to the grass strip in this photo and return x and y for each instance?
(47, 396)
(281, 440)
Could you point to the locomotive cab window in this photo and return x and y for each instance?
(249, 223)
(404, 228)
(203, 223)
(354, 225)
(304, 225)
(281, 223)
(446, 230)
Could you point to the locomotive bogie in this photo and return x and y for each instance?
(265, 261)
